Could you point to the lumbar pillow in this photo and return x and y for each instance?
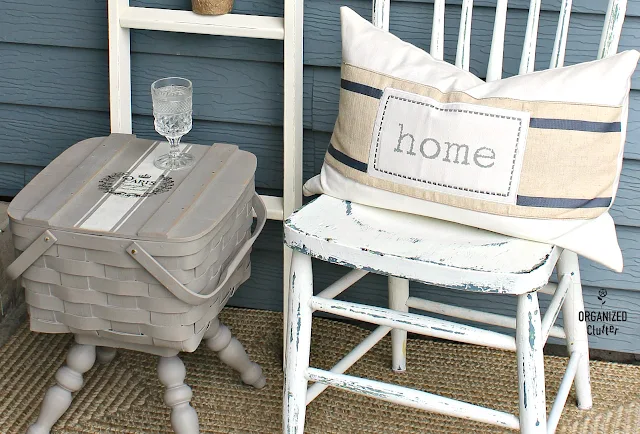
(535, 156)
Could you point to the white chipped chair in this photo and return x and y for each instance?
(443, 254)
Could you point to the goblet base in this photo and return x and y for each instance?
(174, 162)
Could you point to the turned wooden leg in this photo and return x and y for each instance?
(105, 355)
(529, 343)
(69, 378)
(184, 419)
(398, 295)
(219, 339)
(299, 338)
(576, 330)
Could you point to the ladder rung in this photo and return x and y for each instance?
(245, 26)
(274, 206)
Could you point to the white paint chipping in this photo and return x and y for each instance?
(413, 398)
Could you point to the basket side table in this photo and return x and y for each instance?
(125, 255)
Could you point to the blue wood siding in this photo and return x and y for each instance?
(54, 92)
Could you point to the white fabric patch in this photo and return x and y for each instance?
(455, 148)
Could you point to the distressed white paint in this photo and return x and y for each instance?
(351, 358)
(528, 59)
(612, 28)
(577, 338)
(398, 296)
(337, 287)
(298, 344)
(380, 16)
(247, 26)
(57, 400)
(413, 398)
(437, 30)
(419, 248)
(496, 55)
(529, 357)
(463, 51)
(560, 43)
(553, 310)
(549, 288)
(415, 323)
(563, 393)
(473, 315)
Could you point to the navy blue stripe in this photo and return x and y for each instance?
(542, 123)
(554, 202)
(346, 160)
(568, 124)
(361, 88)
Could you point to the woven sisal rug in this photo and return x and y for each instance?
(126, 397)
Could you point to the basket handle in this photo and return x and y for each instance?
(30, 255)
(178, 289)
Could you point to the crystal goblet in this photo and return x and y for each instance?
(172, 112)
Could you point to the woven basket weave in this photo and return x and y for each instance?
(151, 270)
(106, 298)
(212, 7)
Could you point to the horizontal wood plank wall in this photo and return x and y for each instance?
(54, 81)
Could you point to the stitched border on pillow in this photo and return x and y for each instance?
(513, 162)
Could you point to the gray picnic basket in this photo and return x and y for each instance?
(125, 255)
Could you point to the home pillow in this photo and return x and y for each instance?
(535, 156)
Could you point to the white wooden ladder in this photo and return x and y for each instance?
(123, 17)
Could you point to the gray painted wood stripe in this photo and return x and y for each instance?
(211, 162)
(122, 200)
(72, 186)
(124, 219)
(116, 185)
(540, 123)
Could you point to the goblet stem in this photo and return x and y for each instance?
(174, 148)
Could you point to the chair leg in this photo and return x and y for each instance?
(105, 355)
(398, 295)
(184, 419)
(576, 330)
(298, 344)
(529, 344)
(219, 339)
(69, 378)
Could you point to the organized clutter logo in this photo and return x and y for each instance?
(603, 322)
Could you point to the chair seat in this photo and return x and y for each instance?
(418, 248)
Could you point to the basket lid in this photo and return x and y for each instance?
(109, 186)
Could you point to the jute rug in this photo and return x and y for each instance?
(126, 397)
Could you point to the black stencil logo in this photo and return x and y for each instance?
(126, 185)
(601, 295)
